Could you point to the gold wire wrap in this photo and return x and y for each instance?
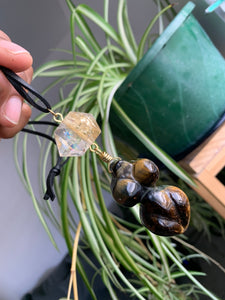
(57, 117)
(104, 156)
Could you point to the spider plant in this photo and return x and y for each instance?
(130, 258)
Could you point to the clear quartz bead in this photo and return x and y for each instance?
(76, 133)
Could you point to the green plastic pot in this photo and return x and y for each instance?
(176, 93)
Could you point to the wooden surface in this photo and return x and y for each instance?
(204, 163)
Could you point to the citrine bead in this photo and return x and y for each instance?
(76, 133)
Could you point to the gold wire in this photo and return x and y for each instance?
(104, 156)
(58, 117)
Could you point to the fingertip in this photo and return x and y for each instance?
(11, 111)
(14, 111)
(9, 132)
(14, 56)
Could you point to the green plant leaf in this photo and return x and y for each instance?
(189, 275)
(142, 43)
(123, 34)
(99, 20)
(52, 64)
(153, 148)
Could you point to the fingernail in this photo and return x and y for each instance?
(12, 109)
(12, 47)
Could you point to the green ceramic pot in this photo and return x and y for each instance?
(176, 93)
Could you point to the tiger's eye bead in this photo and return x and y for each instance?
(125, 189)
(126, 192)
(122, 169)
(165, 211)
(146, 172)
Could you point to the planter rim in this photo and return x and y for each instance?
(156, 47)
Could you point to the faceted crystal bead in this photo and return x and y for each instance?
(76, 133)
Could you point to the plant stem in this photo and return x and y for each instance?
(64, 207)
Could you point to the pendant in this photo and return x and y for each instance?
(164, 210)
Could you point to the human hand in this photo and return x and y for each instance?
(14, 113)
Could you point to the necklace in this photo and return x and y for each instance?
(164, 210)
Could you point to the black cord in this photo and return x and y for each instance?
(55, 171)
(43, 123)
(21, 86)
(44, 135)
(39, 133)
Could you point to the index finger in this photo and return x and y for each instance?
(13, 56)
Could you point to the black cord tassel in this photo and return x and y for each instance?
(55, 171)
